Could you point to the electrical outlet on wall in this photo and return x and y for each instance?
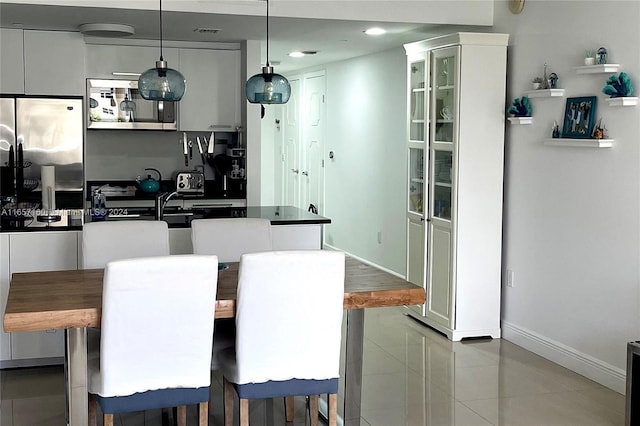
(509, 278)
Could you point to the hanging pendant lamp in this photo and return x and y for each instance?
(268, 87)
(162, 83)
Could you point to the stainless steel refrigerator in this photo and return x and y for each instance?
(36, 132)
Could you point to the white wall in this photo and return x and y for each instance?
(365, 186)
(571, 230)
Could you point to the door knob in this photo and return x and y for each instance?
(305, 173)
(294, 171)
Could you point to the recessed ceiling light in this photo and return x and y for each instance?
(299, 54)
(375, 31)
(106, 30)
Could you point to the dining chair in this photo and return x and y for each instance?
(157, 335)
(103, 242)
(289, 309)
(229, 239)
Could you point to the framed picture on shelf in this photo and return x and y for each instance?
(579, 117)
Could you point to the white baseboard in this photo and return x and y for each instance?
(606, 374)
(330, 247)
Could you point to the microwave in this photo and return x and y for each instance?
(117, 104)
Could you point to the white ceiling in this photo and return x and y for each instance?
(333, 39)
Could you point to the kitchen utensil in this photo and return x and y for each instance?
(190, 150)
(212, 144)
(201, 150)
(185, 145)
(149, 185)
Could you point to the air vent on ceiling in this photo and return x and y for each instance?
(206, 30)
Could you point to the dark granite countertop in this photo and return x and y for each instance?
(286, 215)
(181, 218)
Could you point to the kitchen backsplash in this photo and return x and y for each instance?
(125, 154)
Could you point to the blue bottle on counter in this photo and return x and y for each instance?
(98, 206)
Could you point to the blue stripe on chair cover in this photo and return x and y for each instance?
(152, 399)
(293, 387)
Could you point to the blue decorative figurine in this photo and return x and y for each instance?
(520, 107)
(618, 86)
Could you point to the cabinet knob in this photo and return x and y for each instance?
(294, 171)
(305, 173)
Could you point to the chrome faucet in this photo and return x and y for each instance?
(161, 202)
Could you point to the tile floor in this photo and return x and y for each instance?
(412, 376)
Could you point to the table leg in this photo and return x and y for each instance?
(77, 394)
(353, 367)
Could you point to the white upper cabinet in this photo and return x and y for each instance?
(213, 91)
(104, 60)
(12, 64)
(53, 63)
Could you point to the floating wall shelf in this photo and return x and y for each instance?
(622, 101)
(520, 120)
(597, 69)
(545, 93)
(580, 143)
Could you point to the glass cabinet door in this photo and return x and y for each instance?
(444, 107)
(418, 99)
(442, 178)
(416, 181)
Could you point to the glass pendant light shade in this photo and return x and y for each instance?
(127, 105)
(268, 88)
(162, 83)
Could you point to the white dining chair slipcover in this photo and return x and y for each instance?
(230, 238)
(157, 329)
(288, 318)
(103, 242)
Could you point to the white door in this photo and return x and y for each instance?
(312, 164)
(290, 151)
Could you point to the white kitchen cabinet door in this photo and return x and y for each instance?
(213, 91)
(5, 338)
(12, 63)
(296, 237)
(35, 252)
(103, 60)
(54, 63)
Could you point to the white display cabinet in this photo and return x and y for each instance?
(463, 153)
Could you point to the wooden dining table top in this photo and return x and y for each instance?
(63, 299)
